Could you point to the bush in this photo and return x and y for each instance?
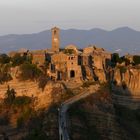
(5, 75)
(69, 51)
(128, 120)
(29, 71)
(22, 100)
(24, 117)
(123, 69)
(36, 128)
(17, 59)
(10, 96)
(136, 59)
(124, 59)
(4, 59)
(115, 58)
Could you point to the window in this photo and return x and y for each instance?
(54, 32)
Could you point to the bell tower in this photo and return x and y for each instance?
(55, 39)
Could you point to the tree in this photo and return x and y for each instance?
(4, 59)
(4, 73)
(17, 59)
(10, 95)
(136, 59)
(29, 71)
(115, 57)
(69, 51)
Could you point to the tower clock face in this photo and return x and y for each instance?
(55, 39)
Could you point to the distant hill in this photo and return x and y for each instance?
(122, 40)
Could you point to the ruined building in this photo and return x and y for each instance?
(64, 65)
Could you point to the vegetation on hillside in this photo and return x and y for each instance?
(4, 59)
(19, 107)
(82, 125)
(29, 71)
(129, 120)
(136, 59)
(69, 51)
(10, 96)
(117, 59)
(5, 75)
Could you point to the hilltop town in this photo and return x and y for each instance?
(70, 63)
(34, 84)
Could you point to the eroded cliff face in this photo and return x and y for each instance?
(31, 89)
(100, 75)
(42, 115)
(130, 77)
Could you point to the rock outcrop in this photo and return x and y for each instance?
(31, 89)
(129, 76)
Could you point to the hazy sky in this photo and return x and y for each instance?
(27, 16)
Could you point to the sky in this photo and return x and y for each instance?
(29, 16)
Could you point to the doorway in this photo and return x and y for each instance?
(72, 74)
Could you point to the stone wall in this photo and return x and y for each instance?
(38, 58)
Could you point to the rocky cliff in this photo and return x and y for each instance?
(127, 80)
(31, 89)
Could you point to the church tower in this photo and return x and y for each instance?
(55, 39)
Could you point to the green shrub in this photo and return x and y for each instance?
(36, 128)
(123, 69)
(136, 59)
(22, 100)
(10, 96)
(24, 117)
(5, 75)
(115, 58)
(29, 71)
(4, 59)
(129, 120)
(17, 59)
(69, 51)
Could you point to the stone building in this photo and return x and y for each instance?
(38, 58)
(101, 60)
(100, 57)
(64, 65)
